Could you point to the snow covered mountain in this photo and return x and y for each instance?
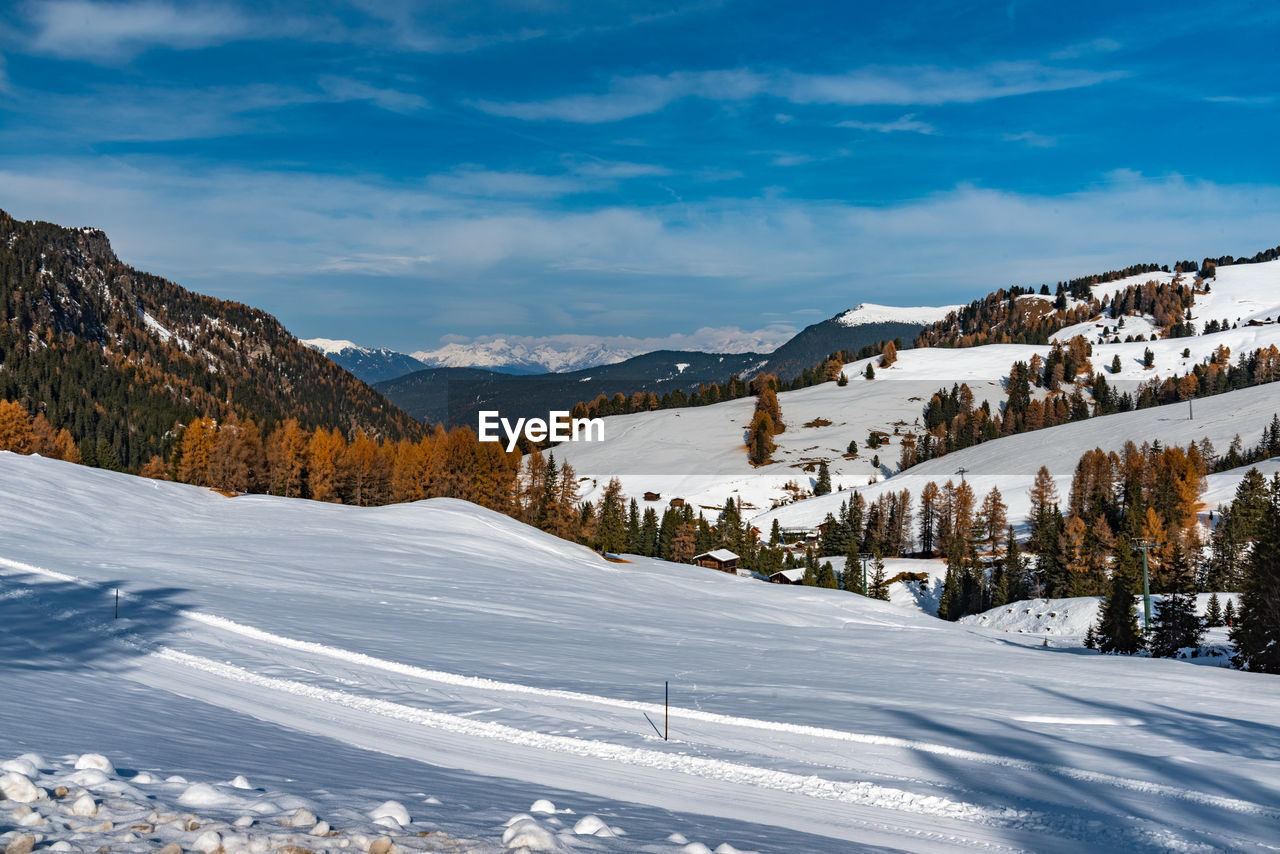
(369, 364)
(513, 355)
(505, 690)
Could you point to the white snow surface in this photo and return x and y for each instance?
(329, 346)
(466, 666)
(868, 312)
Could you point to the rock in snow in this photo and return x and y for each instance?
(18, 787)
(393, 810)
(96, 761)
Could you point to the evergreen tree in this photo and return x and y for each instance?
(878, 587)
(1115, 364)
(823, 485)
(1257, 630)
(826, 575)
(612, 531)
(633, 528)
(1229, 613)
(1117, 629)
(775, 534)
(1175, 625)
(870, 372)
(1213, 612)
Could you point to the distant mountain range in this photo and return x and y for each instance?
(569, 353)
(453, 395)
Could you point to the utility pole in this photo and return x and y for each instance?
(864, 557)
(1145, 545)
(961, 471)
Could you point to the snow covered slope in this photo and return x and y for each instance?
(868, 312)
(464, 664)
(1011, 463)
(700, 455)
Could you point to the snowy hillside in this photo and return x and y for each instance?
(465, 666)
(868, 312)
(699, 454)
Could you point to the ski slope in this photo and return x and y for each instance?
(466, 666)
(699, 454)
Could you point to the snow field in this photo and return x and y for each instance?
(443, 648)
(699, 454)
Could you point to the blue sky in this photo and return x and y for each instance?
(404, 173)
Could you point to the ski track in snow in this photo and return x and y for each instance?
(812, 786)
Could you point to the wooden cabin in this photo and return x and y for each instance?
(721, 559)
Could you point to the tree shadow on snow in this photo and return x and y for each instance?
(62, 625)
(1094, 813)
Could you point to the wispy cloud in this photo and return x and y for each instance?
(203, 225)
(628, 97)
(478, 182)
(1031, 139)
(908, 123)
(100, 31)
(1103, 44)
(391, 100)
(634, 96)
(138, 113)
(1243, 100)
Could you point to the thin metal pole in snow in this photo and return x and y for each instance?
(666, 703)
(117, 603)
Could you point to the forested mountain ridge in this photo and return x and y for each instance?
(120, 357)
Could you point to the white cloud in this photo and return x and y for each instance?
(215, 229)
(1032, 139)
(476, 181)
(153, 113)
(86, 29)
(629, 97)
(391, 100)
(908, 123)
(620, 169)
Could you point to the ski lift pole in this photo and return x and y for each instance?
(1145, 545)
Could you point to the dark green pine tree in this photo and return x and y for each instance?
(870, 372)
(1257, 630)
(1175, 625)
(649, 533)
(1213, 612)
(810, 570)
(827, 576)
(878, 587)
(633, 529)
(1229, 614)
(1115, 364)
(951, 602)
(1117, 629)
(775, 534)
(823, 485)
(851, 578)
(612, 531)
